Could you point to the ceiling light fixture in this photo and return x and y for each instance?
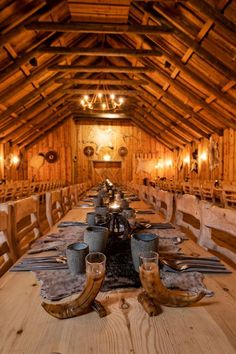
(102, 100)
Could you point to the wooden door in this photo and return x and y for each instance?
(107, 169)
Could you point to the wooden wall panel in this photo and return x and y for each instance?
(59, 140)
(107, 139)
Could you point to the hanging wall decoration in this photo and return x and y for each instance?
(51, 156)
(37, 161)
(214, 154)
(194, 162)
(122, 151)
(88, 150)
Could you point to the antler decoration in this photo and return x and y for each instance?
(82, 304)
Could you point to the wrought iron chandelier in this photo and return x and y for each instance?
(101, 100)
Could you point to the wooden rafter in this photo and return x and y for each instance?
(96, 28)
(100, 69)
(102, 82)
(107, 52)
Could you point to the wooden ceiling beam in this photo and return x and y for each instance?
(168, 129)
(37, 128)
(30, 123)
(226, 26)
(99, 69)
(102, 115)
(102, 82)
(96, 28)
(20, 103)
(25, 114)
(92, 91)
(140, 123)
(197, 100)
(185, 35)
(7, 34)
(188, 110)
(178, 116)
(148, 102)
(38, 136)
(171, 57)
(164, 128)
(104, 52)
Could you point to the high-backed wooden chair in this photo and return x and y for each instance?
(187, 187)
(25, 223)
(73, 195)
(208, 191)
(221, 219)
(66, 200)
(164, 203)
(54, 210)
(229, 196)
(7, 256)
(188, 212)
(197, 189)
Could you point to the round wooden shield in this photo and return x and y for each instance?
(36, 161)
(88, 150)
(122, 151)
(51, 156)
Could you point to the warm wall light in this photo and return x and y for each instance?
(107, 157)
(187, 160)
(159, 164)
(15, 160)
(168, 163)
(203, 156)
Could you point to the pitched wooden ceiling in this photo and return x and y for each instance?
(174, 61)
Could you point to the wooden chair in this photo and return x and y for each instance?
(229, 196)
(221, 219)
(208, 191)
(164, 203)
(197, 189)
(187, 187)
(54, 210)
(66, 200)
(73, 194)
(25, 223)
(188, 206)
(2, 193)
(7, 256)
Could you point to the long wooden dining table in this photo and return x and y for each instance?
(208, 326)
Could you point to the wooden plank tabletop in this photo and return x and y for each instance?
(209, 326)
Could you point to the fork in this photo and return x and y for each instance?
(188, 265)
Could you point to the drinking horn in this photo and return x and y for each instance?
(80, 305)
(154, 287)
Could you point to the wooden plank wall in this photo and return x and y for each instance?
(227, 159)
(62, 141)
(107, 139)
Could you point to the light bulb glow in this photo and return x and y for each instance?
(203, 156)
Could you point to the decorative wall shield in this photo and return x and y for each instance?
(51, 156)
(88, 150)
(122, 151)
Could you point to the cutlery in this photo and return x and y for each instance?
(197, 269)
(186, 257)
(187, 265)
(72, 223)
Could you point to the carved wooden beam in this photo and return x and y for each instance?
(96, 28)
(102, 82)
(100, 69)
(104, 52)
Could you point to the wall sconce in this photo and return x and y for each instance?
(15, 160)
(187, 160)
(159, 164)
(168, 163)
(203, 156)
(107, 157)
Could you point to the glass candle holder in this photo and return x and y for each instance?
(95, 264)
